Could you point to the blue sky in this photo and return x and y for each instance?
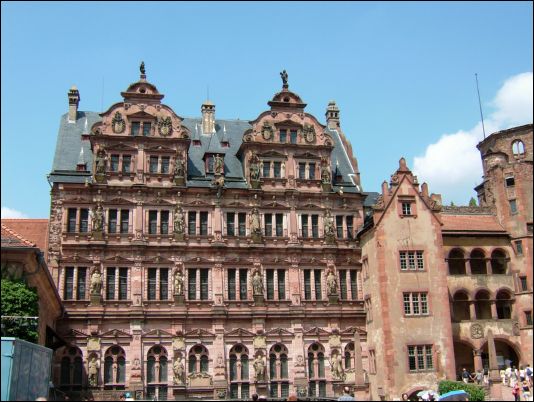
(401, 73)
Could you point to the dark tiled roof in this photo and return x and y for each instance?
(370, 199)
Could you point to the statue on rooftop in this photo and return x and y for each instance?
(283, 74)
(142, 68)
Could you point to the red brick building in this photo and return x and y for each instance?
(218, 258)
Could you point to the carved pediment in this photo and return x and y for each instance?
(160, 148)
(307, 155)
(157, 260)
(274, 204)
(199, 333)
(117, 259)
(157, 333)
(272, 154)
(74, 334)
(239, 332)
(281, 332)
(199, 260)
(161, 201)
(121, 146)
(141, 115)
(310, 205)
(120, 201)
(236, 204)
(197, 203)
(116, 333)
(350, 331)
(78, 199)
(77, 259)
(316, 331)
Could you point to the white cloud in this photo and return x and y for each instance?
(13, 214)
(452, 165)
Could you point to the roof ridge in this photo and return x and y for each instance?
(18, 236)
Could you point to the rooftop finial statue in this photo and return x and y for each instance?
(142, 68)
(283, 74)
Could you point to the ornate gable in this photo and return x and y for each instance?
(116, 334)
(118, 259)
(157, 333)
(199, 333)
(316, 331)
(279, 332)
(239, 333)
(74, 334)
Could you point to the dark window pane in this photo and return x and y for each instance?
(350, 228)
(192, 364)
(135, 128)
(270, 284)
(339, 226)
(318, 284)
(146, 128)
(315, 226)
(114, 163)
(165, 164)
(233, 369)
(320, 360)
(283, 136)
(108, 370)
(244, 367)
(353, 285)
(162, 369)
(80, 292)
(204, 284)
(204, 364)
(151, 369)
(322, 389)
(307, 284)
(125, 220)
(231, 284)
(279, 225)
(343, 283)
(110, 284)
(310, 365)
(192, 281)
(272, 366)
(112, 221)
(234, 391)
(274, 390)
(151, 290)
(285, 390)
(123, 283)
(304, 224)
(153, 167)
(293, 136)
(302, 170)
(65, 371)
(266, 169)
(283, 366)
(71, 220)
(230, 224)
(152, 222)
(210, 163)
(126, 163)
(84, 220)
(524, 285)
(164, 224)
(163, 284)
(243, 284)
(268, 224)
(281, 284)
(242, 218)
(78, 370)
(203, 223)
(192, 217)
(69, 283)
(121, 370)
(245, 392)
(312, 171)
(276, 169)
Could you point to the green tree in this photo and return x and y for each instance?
(18, 300)
(452, 204)
(472, 202)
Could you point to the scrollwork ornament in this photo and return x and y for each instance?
(165, 126)
(308, 132)
(267, 131)
(118, 124)
(476, 331)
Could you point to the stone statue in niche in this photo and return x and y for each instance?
(93, 367)
(336, 363)
(259, 368)
(255, 227)
(96, 282)
(219, 165)
(179, 170)
(329, 228)
(257, 283)
(178, 220)
(98, 218)
(179, 370)
(254, 168)
(331, 283)
(178, 283)
(100, 164)
(325, 171)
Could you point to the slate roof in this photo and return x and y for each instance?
(69, 143)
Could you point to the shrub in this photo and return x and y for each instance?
(475, 392)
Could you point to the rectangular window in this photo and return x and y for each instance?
(203, 223)
(191, 284)
(270, 284)
(524, 285)
(307, 284)
(114, 163)
(510, 181)
(279, 225)
(315, 226)
(165, 164)
(164, 226)
(152, 222)
(112, 221)
(125, 220)
(406, 208)
(230, 224)
(123, 283)
(519, 247)
(152, 277)
(163, 283)
(415, 303)
(69, 283)
(126, 163)
(192, 222)
(317, 277)
(304, 225)
(409, 259)
(513, 206)
(407, 304)
(210, 162)
(350, 227)
(276, 169)
(302, 170)
(71, 220)
(268, 224)
(231, 284)
(420, 358)
(283, 136)
(243, 280)
(353, 285)
(135, 128)
(204, 289)
(281, 284)
(146, 128)
(242, 222)
(343, 283)
(424, 303)
(528, 317)
(339, 226)
(153, 166)
(312, 171)
(266, 171)
(80, 288)
(84, 220)
(293, 136)
(110, 284)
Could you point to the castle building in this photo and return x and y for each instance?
(208, 258)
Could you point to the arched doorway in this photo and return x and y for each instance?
(507, 355)
(463, 356)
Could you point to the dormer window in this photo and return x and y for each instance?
(210, 163)
(146, 128)
(293, 136)
(136, 125)
(283, 136)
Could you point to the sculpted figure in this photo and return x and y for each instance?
(100, 162)
(329, 229)
(325, 171)
(257, 283)
(178, 220)
(259, 368)
(98, 218)
(179, 170)
(255, 221)
(178, 283)
(179, 370)
(94, 366)
(283, 75)
(337, 367)
(254, 168)
(219, 165)
(96, 282)
(331, 283)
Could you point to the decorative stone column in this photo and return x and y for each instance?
(477, 359)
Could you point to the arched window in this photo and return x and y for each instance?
(498, 262)
(504, 305)
(114, 368)
(483, 305)
(198, 359)
(239, 372)
(478, 262)
(460, 307)
(71, 369)
(349, 355)
(278, 371)
(518, 148)
(456, 262)
(156, 373)
(316, 372)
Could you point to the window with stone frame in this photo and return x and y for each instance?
(158, 222)
(523, 284)
(75, 283)
(278, 371)
(237, 282)
(312, 284)
(198, 223)
(198, 359)
(71, 369)
(156, 373)
(420, 358)
(272, 168)
(513, 206)
(349, 355)
(119, 221)
(283, 135)
(114, 368)
(518, 247)
(274, 225)
(316, 371)
(157, 284)
(239, 372)
(236, 224)
(372, 361)
(348, 287)
(78, 220)
(198, 283)
(415, 303)
(276, 284)
(528, 318)
(411, 260)
(518, 148)
(116, 284)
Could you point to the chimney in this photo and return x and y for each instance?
(208, 117)
(332, 115)
(424, 190)
(74, 100)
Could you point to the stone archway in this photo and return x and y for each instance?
(463, 357)
(507, 354)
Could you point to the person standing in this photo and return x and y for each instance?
(516, 392)
(465, 375)
(346, 395)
